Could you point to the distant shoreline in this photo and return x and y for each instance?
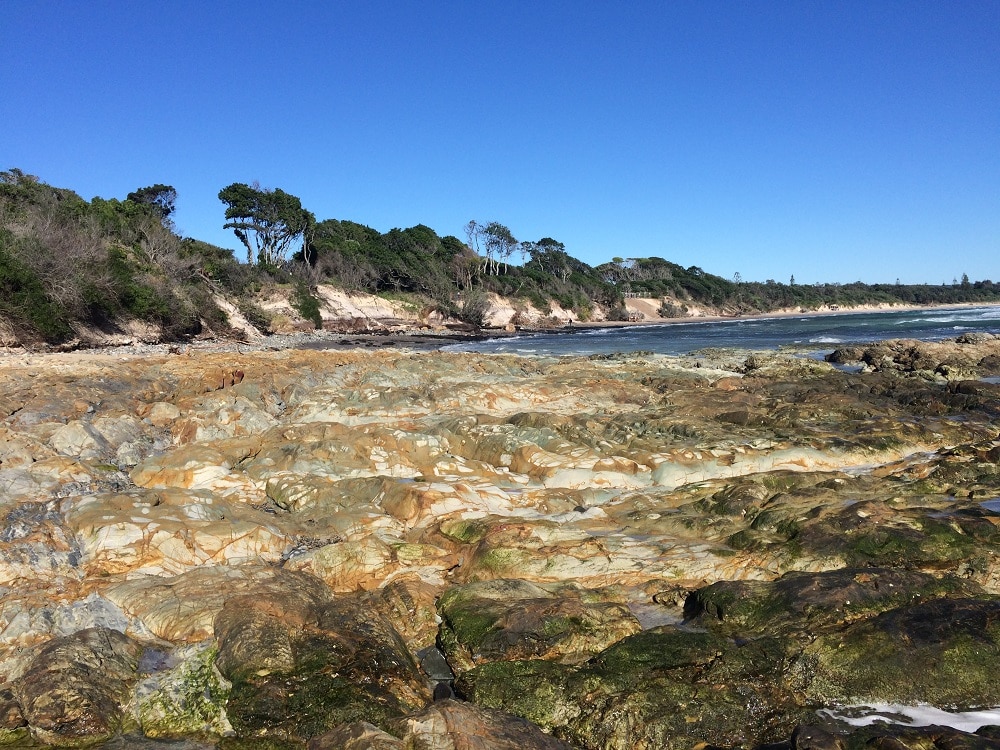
(776, 314)
(421, 339)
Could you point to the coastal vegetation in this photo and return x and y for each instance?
(67, 263)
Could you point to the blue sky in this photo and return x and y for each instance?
(830, 141)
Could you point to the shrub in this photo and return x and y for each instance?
(475, 306)
(307, 305)
(25, 303)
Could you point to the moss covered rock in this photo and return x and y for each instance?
(187, 699)
(509, 619)
(945, 652)
(662, 688)
(811, 601)
(347, 664)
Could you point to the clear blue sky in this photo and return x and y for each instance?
(832, 141)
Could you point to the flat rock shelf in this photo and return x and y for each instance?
(381, 548)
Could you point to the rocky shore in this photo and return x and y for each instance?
(384, 548)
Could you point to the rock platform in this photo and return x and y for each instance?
(266, 549)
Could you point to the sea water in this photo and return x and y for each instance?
(820, 333)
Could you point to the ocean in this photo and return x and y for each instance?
(806, 333)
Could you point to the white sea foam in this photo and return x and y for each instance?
(826, 340)
(921, 715)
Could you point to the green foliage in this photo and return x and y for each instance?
(100, 262)
(475, 304)
(659, 278)
(359, 258)
(24, 301)
(307, 305)
(159, 199)
(265, 221)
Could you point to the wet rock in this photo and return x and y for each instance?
(452, 725)
(845, 355)
(897, 737)
(815, 738)
(186, 698)
(313, 513)
(340, 662)
(509, 619)
(13, 727)
(956, 642)
(815, 601)
(663, 688)
(74, 690)
(358, 736)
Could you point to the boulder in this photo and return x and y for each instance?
(304, 675)
(507, 620)
(956, 642)
(76, 687)
(453, 725)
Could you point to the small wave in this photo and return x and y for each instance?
(921, 715)
(826, 340)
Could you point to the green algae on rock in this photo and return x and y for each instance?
(508, 620)
(185, 700)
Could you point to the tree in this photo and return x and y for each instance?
(267, 222)
(160, 198)
(494, 240)
(15, 176)
(550, 256)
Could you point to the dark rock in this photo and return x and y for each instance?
(357, 736)
(975, 388)
(845, 355)
(452, 724)
(880, 534)
(975, 337)
(663, 688)
(808, 601)
(510, 619)
(898, 737)
(301, 671)
(256, 631)
(74, 690)
(815, 738)
(443, 691)
(990, 364)
(945, 652)
(12, 723)
(743, 418)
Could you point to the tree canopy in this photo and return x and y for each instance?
(160, 198)
(267, 222)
